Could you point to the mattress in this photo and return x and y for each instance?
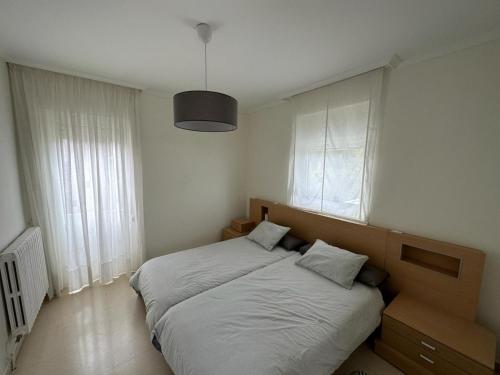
(167, 280)
(280, 319)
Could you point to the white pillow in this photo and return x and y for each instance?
(267, 234)
(338, 265)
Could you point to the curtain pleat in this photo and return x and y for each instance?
(79, 143)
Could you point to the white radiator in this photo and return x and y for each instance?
(24, 280)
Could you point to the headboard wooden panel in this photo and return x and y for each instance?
(442, 274)
(435, 280)
(351, 236)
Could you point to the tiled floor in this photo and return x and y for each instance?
(102, 331)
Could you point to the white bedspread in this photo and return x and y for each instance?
(280, 319)
(170, 279)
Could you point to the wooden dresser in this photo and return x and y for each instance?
(420, 339)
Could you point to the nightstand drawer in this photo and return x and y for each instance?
(419, 354)
(242, 225)
(399, 360)
(425, 343)
(230, 233)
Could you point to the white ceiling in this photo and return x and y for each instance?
(260, 51)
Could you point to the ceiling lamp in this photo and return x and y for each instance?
(205, 111)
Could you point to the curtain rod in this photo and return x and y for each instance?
(90, 77)
(391, 62)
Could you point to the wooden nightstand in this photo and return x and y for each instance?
(420, 339)
(230, 233)
(238, 228)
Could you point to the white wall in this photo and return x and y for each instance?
(439, 157)
(12, 220)
(193, 182)
(439, 170)
(268, 144)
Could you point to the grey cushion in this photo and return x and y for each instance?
(267, 234)
(303, 249)
(290, 242)
(338, 265)
(371, 275)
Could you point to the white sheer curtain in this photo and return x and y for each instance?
(335, 137)
(81, 160)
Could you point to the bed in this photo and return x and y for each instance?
(230, 313)
(165, 281)
(280, 319)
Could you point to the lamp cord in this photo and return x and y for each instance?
(206, 80)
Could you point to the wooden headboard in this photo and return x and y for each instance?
(439, 273)
(310, 226)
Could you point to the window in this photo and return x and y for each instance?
(332, 157)
(94, 156)
(79, 141)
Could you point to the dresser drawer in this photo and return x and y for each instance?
(435, 348)
(423, 356)
(399, 360)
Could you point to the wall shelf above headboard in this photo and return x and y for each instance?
(440, 273)
(445, 264)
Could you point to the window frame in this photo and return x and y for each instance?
(324, 149)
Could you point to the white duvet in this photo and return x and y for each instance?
(280, 319)
(167, 280)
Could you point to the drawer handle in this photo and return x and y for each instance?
(426, 359)
(428, 346)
